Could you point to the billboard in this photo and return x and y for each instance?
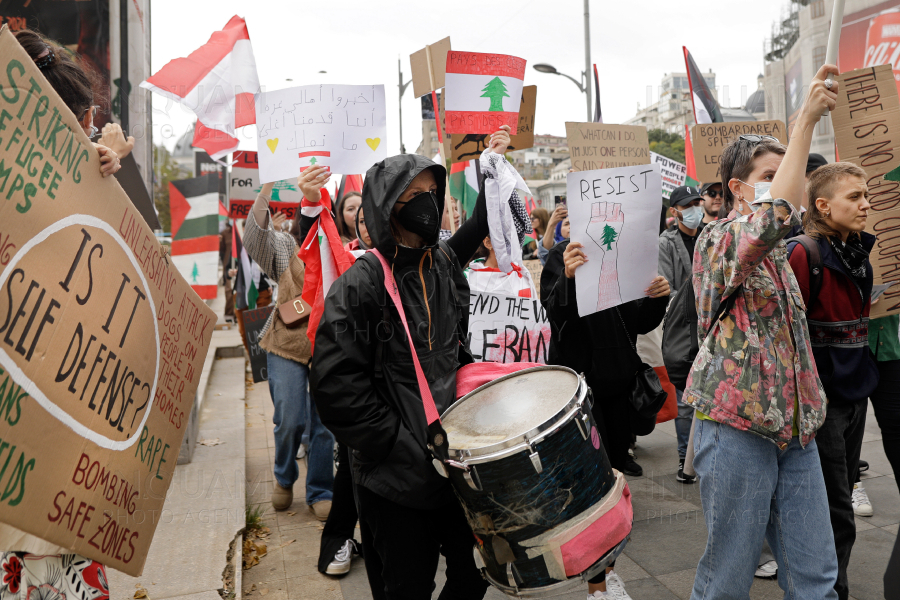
(871, 37)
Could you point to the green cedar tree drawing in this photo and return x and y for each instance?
(195, 273)
(496, 91)
(279, 187)
(609, 236)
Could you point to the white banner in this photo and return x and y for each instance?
(507, 329)
(672, 172)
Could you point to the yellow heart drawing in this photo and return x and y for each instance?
(272, 144)
(373, 143)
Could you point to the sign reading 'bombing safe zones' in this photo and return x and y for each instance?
(599, 146)
(867, 131)
(101, 340)
(469, 146)
(710, 139)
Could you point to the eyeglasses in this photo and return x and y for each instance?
(756, 139)
(93, 110)
(713, 194)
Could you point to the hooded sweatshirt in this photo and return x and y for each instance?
(362, 375)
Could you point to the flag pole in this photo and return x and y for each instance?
(834, 34)
(448, 199)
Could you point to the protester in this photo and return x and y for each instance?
(884, 341)
(754, 381)
(602, 346)
(676, 253)
(540, 219)
(30, 563)
(346, 216)
(837, 292)
(365, 386)
(712, 201)
(288, 353)
(552, 235)
(484, 275)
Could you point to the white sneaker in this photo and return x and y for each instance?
(861, 505)
(341, 563)
(598, 594)
(301, 452)
(615, 587)
(767, 570)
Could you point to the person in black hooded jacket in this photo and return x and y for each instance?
(365, 387)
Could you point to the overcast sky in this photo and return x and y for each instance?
(633, 44)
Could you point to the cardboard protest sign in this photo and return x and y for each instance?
(471, 145)
(482, 92)
(101, 340)
(867, 132)
(245, 185)
(507, 329)
(339, 126)
(614, 213)
(254, 320)
(709, 139)
(599, 146)
(673, 173)
(536, 269)
(428, 76)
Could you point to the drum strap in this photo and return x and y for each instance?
(438, 438)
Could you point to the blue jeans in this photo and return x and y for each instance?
(288, 385)
(753, 490)
(683, 423)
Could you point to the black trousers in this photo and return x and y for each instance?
(611, 413)
(886, 402)
(405, 543)
(839, 441)
(342, 519)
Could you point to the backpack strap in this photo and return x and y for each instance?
(814, 259)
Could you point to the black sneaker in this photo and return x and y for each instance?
(863, 466)
(682, 477)
(632, 469)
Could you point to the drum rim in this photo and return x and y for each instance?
(514, 444)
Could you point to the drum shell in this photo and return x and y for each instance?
(518, 503)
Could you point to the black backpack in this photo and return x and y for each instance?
(814, 258)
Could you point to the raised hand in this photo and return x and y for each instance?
(605, 227)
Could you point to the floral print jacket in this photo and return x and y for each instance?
(757, 361)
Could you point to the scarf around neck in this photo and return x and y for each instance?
(852, 254)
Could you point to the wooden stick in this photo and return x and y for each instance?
(448, 199)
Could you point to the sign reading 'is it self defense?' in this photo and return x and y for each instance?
(482, 92)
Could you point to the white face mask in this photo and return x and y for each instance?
(692, 216)
(762, 189)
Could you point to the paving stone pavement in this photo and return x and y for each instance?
(658, 563)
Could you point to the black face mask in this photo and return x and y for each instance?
(420, 215)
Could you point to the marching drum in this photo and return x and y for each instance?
(547, 509)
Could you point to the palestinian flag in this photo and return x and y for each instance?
(194, 206)
(706, 109)
(217, 82)
(689, 154)
(464, 184)
(482, 92)
(598, 116)
(246, 285)
(349, 183)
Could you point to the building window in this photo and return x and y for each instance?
(817, 9)
(818, 57)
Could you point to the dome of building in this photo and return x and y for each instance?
(756, 103)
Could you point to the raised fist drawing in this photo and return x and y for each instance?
(605, 227)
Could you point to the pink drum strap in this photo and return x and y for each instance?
(431, 413)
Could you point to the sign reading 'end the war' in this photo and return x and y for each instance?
(507, 329)
(101, 339)
(482, 92)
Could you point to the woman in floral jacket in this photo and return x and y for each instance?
(754, 382)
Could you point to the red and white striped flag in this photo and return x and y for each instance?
(217, 82)
(482, 92)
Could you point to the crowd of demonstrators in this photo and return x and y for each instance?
(554, 232)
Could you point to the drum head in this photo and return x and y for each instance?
(509, 407)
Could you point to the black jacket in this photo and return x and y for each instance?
(362, 374)
(598, 344)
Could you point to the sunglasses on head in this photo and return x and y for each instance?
(755, 139)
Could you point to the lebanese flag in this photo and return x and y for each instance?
(324, 257)
(706, 109)
(217, 82)
(194, 208)
(482, 92)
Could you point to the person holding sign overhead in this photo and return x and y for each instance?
(754, 382)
